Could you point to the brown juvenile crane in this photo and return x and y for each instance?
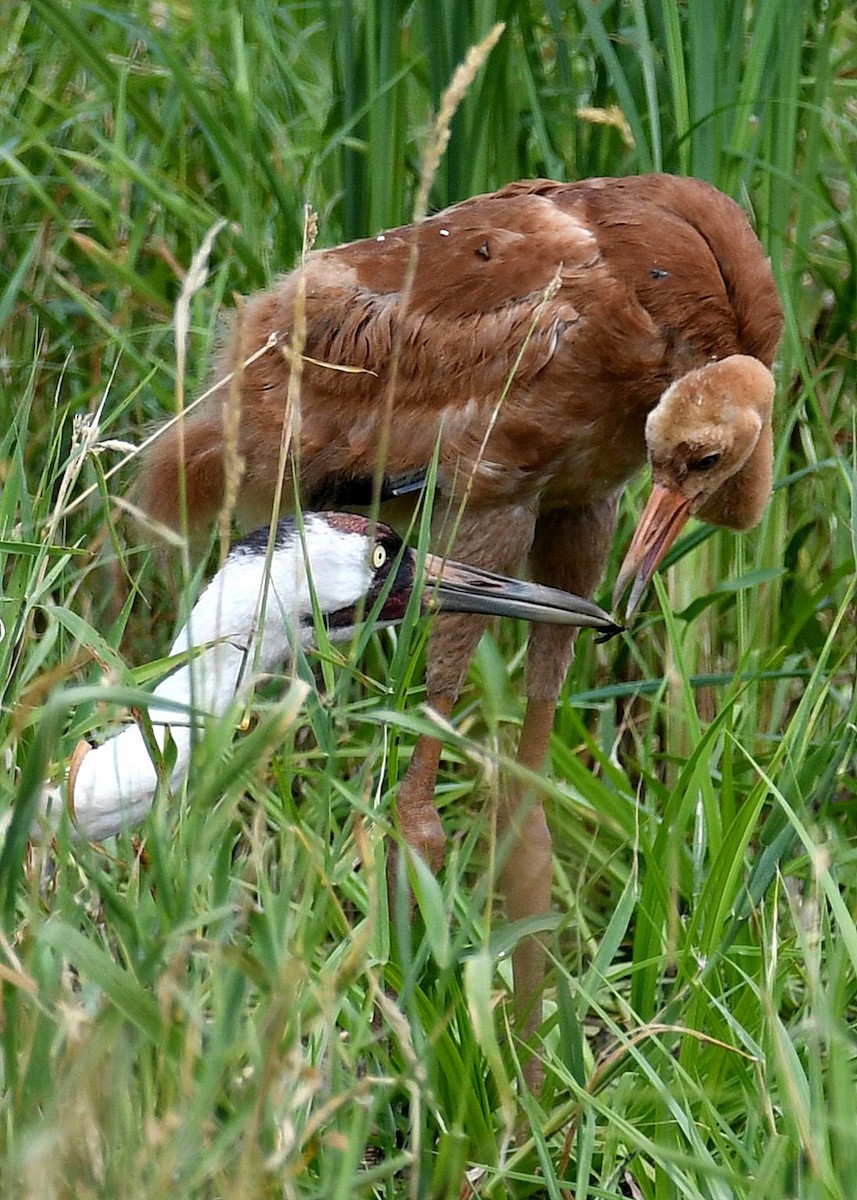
(556, 336)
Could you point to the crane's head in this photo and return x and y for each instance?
(709, 443)
(352, 562)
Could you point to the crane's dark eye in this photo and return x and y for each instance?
(379, 556)
(706, 463)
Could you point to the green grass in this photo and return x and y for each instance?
(222, 1005)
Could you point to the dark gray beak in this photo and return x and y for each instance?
(456, 587)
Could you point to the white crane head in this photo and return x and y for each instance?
(349, 562)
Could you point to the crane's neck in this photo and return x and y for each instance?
(740, 502)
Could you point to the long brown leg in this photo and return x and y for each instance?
(499, 540)
(568, 552)
(416, 812)
(527, 847)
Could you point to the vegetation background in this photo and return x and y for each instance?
(216, 1006)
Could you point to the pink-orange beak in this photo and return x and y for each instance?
(663, 518)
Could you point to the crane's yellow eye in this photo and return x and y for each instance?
(379, 556)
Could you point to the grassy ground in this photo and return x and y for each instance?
(222, 1005)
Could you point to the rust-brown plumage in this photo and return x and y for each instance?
(658, 277)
